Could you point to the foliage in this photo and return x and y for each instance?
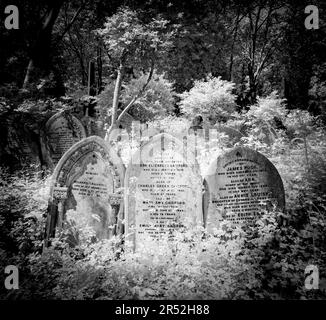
(262, 261)
(211, 97)
(265, 260)
(157, 100)
(130, 42)
(263, 121)
(23, 203)
(23, 200)
(233, 46)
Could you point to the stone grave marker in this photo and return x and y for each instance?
(62, 131)
(87, 179)
(22, 146)
(240, 184)
(163, 190)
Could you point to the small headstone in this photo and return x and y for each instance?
(163, 190)
(62, 131)
(87, 179)
(240, 184)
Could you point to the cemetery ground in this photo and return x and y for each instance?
(163, 150)
(265, 260)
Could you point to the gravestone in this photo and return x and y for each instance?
(21, 144)
(87, 179)
(163, 190)
(62, 131)
(240, 184)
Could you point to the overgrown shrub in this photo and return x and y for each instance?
(262, 261)
(23, 202)
(211, 97)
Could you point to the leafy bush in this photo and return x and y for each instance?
(262, 261)
(266, 260)
(23, 202)
(211, 97)
(263, 121)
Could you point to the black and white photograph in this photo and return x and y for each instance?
(158, 151)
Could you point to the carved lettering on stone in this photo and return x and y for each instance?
(163, 190)
(89, 173)
(62, 131)
(240, 184)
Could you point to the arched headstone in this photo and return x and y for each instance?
(87, 179)
(62, 131)
(240, 184)
(163, 190)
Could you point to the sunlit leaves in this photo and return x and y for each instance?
(210, 97)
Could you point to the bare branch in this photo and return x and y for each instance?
(71, 22)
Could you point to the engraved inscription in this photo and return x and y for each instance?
(241, 184)
(243, 190)
(62, 134)
(164, 193)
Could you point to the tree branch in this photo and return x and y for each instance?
(134, 99)
(69, 25)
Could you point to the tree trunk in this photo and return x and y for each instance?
(115, 118)
(116, 96)
(232, 47)
(40, 54)
(29, 72)
(99, 70)
(115, 103)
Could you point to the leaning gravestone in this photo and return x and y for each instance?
(240, 184)
(62, 131)
(87, 179)
(21, 144)
(163, 190)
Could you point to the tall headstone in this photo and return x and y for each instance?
(163, 190)
(240, 184)
(87, 179)
(62, 131)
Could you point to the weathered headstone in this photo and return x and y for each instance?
(87, 179)
(241, 183)
(22, 146)
(163, 190)
(62, 131)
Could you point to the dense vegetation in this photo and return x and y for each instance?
(249, 65)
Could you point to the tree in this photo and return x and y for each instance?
(303, 54)
(132, 44)
(157, 100)
(40, 52)
(260, 30)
